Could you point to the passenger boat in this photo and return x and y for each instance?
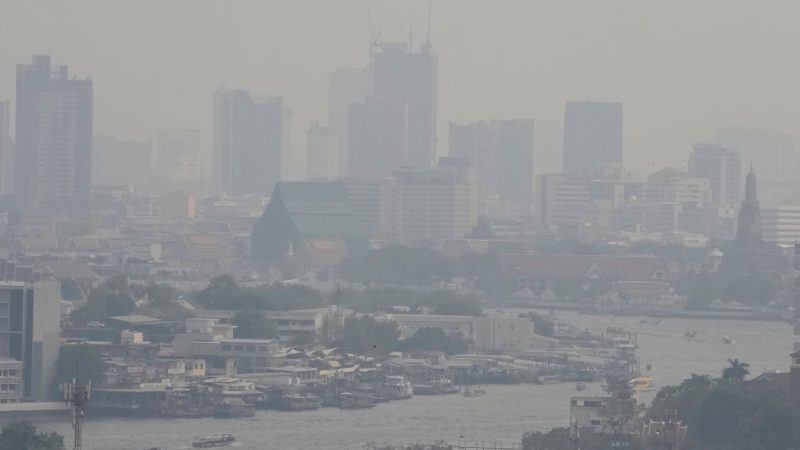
(297, 402)
(728, 340)
(398, 387)
(213, 441)
(471, 391)
(643, 383)
(348, 400)
(690, 334)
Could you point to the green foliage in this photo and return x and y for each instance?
(251, 324)
(727, 415)
(223, 292)
(737, 371)
(562, 439)
(397, 265)
(160, 295)
(23, 436)
(452, 303)
(482, 230)
(366, 336)
(434, 339)
(620, 408)
(386, 299)
(750, 289)
(81, 362)
(541, 325)
(112, 298)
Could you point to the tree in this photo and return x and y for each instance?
(541, 325)
(222, 290)
(397, 265)
(435, 339)
(23, 436)
(703, 290)
(251, 324)
(366, 336)
(620, 407)
(112, 298)
(81, 362)
(482, 230)
(736, 371)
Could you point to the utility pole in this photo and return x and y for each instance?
(77, 397)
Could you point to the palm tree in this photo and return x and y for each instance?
(736, 371)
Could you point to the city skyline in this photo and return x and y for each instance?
(514, 88)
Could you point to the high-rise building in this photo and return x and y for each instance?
(592, 136)
(120, 163)
(721, 166)
(432, 203)
(399, 72)
(6, 150)
(562, 200)
(673, 185)
(29, 329)
(345, 87)
(781, 224)
(249, 142)
(53, 137)
(377, 137)
(322, 158)
(501, 151)
(772, 154)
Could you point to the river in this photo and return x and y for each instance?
(503, 414)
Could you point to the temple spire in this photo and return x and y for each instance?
(749, 229)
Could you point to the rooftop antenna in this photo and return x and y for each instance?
(77, 397)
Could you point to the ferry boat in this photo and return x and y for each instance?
(549, 379)
(728, 340)
(398, 387)
(349, 400)
(643, 383)
(213, 441)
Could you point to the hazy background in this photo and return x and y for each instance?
(682, 68)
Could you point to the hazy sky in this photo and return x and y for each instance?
(682, 68)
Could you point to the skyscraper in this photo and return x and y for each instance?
(592, 136)
(248, 142)
(721, 166)
(323, 152)
(53, 137)
(179, 161)
(377, 137)
(6, 156)
(501, 151)
(345, 87)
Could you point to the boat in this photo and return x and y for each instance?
(690, 334)
(398, 387)
(641, 384)
(548, 379)
(471, 391)
(234, 408)
(217, 441)
(297, 402)
(728, 340)
(580, 386)
(349, 400)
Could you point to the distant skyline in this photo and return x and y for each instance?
(682, 69)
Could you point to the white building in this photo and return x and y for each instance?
(431, 204)
(781, 224)
(674, 185)
(562, 200)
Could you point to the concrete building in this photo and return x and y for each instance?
(507, 334)
(721, 166)
(377, 137)
(53, 137)
(432, 204)
(30, 324)
(366, 197)
(12, 385)
(587, 413)
(346, 86)
(501, 151)
(322, 158)
(781, 224)
(180, 162)
(249, 142)
(121, 163)
(399, 72)
(674, 185)
(562, 200)
(6, 149)
(592, 136)
(772, 155)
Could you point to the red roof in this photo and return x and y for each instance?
(614, 267)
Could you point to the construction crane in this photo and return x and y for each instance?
(76, 395)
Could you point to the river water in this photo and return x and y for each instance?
(503, 414)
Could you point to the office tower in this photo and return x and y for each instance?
(345, 87)
(323, 152)
(501, 151)
(563, 200)
(6, 152)
(53, 137)
(549, 144)
(120, 163)
(432, 203)
(721, 166)
(672, 185)
(366, 197)
(179, 159)
(29, 330)
(249, 142)
(377, 137)
(592, 136)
